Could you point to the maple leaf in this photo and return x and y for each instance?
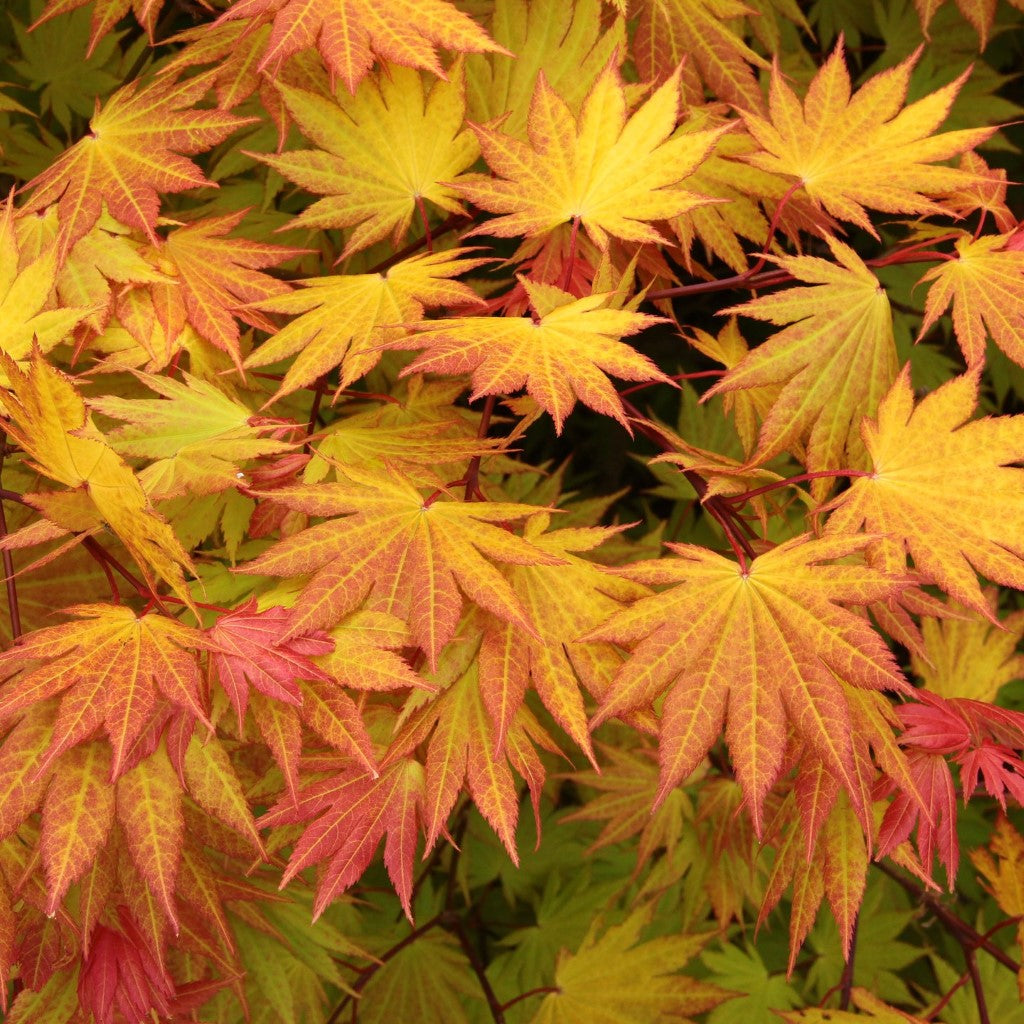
(383, 152)
(1001, 864)
(834, 362)
(198, 435)
(834, 866)
(923, 454)
(670, 31)
(710, 643)
(461, 752)
(391, 539)
(25, 295)
(618, 978)
(851, 152)
(572, 43)
(250, 651)
(628, 785)
(969, 655)
(350, 33)
(220, 277)
(134, 151)
(111, 667)
(121, 972)
(48, 418)
(356, 810)
(984, 285)
(605, 170)
(565, 601)
(105, 15)
(345, 319)
(561, 355)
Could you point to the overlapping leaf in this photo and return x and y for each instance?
(112, 669)
(942, 489)
(865, 150)
(562, 354)
(609, 171)
(419, 557)
(761, 649)
(984, 284)
(382, 152)
(345, 319)
(136, 149)
(834, 362)
(47, 417)
(350, 34)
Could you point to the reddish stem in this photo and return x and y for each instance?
(541, 990)
(823, 474)
(787, 195)
(456, 220)
(566, 280)
(428, 241)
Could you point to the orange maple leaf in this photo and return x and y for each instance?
(558, 357)
(941, 489)
(132, 153)
(220, 277)
(355, 811)
(419, 556)
(350, 34)
(756, 648)
(606, 170)
(112, 668)
(849, 152)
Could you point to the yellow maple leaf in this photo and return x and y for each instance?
(834, 361)
(985, 284)
(969, 655)
(606, 170)
(942, 488)
(25, 293)
(382, 152)
(45, 414)
(345, 319)
(849, 152)
(616, 977)
(558, 357)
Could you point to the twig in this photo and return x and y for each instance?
(979, 989)
(541, 990)
(369, 971)
(451, 921)
(968, 937)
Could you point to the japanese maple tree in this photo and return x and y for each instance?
(511, 511)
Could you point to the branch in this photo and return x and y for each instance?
(968, 937)
(452, 922)
(368, 972)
